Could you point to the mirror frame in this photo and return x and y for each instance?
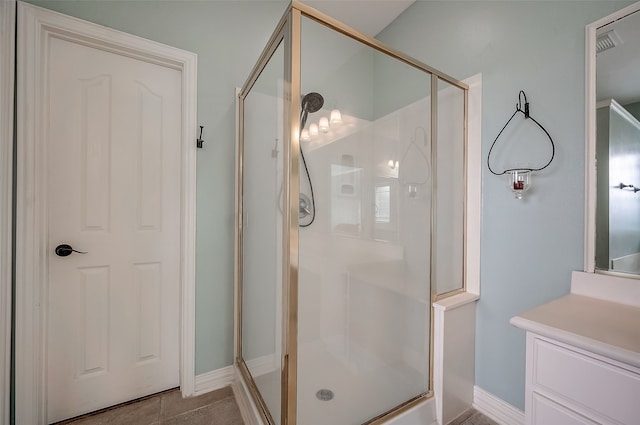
(590, 132)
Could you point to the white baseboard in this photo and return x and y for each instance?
(224, 377)
(213, 380)
(484, 402)
(263, 365)
(496, 409)
(248, 410)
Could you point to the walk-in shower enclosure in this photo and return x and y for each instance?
(348, 228)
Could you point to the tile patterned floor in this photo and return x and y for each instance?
(472, 417)
(169, 408)
(214, 408)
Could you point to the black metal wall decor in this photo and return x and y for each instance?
(519, 179)
(200, 142)
(628, 186)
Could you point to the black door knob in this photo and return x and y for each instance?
(64, 250)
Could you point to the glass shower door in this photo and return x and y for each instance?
(365, 250)
(261, 234)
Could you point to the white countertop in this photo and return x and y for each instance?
(603, 327)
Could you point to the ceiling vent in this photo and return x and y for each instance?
(606, 41)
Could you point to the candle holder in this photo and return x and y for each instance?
(519, 181)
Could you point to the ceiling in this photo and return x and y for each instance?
(367, 16)
(618, 69)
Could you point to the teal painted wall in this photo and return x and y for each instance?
(228, 37)
(529, 247)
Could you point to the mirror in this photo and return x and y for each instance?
(613, 143)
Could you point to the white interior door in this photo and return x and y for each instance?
(106, 129)
(114, 133)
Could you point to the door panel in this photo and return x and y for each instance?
(114, 191)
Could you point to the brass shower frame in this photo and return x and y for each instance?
(288, 31)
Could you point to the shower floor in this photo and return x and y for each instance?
(363, 386)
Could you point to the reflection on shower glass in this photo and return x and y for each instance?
(364, 264)
(383, 204)
(346, 215)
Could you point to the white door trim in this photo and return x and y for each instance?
(7, 75)
(36, 26)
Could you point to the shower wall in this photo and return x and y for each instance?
(364, 294)
(366, 278)
(356, 241)
(353, 243)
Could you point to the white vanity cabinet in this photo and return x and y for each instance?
(566, 385)
(583, 362)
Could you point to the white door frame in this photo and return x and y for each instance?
(7, 55)
(36, 26)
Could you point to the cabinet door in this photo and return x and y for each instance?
(546, 412)
(585, 382)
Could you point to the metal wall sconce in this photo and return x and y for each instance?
(519, 179)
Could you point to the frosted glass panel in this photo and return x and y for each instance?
(262, 232)
(450, 193)
(364, 291)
